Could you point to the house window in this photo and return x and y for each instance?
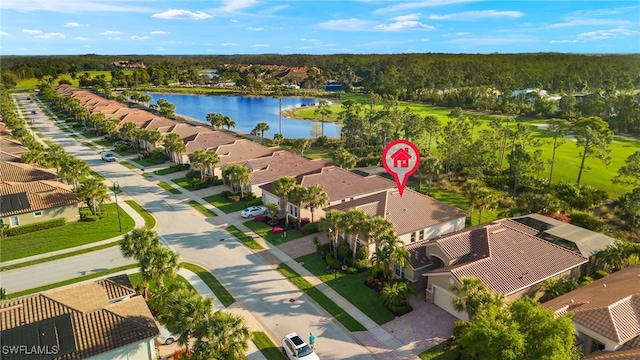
(37, 213)
(421, 237)
(596, 345)
(399, 272)
(14, 221)
(413, 237)
(291, 209)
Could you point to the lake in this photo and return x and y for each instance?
(247, 111)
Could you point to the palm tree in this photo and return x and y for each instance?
(473, 296)
(301, 145)
(352, 223)
(272, 208)
(431, 167)
(209, 160)
(187, 312)
(390, 252)
(324, 110)
(174, 144)
(298, 196)
(226, 121)
(376, 229)
(278, 138)
(331, 223)
(72, 168)
(282, 187)
(94, 192)
(56, 156)
(485, 200)
(471, 189)
(196, 159)
(35, 156)
(395, 295)
(159, 262)
(315, 197)
(216, 120)
(238, 175)
(128, 129)
(261, 127)
(151, 138)
(222, 336)
(138, 243)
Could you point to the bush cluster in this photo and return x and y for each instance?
(24, 229)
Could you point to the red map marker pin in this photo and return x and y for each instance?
(401, 158)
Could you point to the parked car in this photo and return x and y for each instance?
(294, 348)
(166, 337)
(254, 211)
(121, 142)
(107, 156)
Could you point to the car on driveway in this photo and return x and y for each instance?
(166, 337)
(252, 211)
(294, 348)
(121, 142)
(107, 156)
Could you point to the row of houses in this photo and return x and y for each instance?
(511, 256)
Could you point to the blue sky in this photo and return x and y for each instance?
(45, 27)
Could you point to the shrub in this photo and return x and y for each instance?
(304, 221)
(193, 174)
(90, 218)
(254, 202)
(586, 221)
(331, 262)
(459, 328)
(226, 193)
(599, 274)
(362, 264)
(352, 270)
(234, 198)
(198, 184)
(24, 229)
(310, 228)
(586, 280)
(159, 154)
(324, 248)
(122, 147)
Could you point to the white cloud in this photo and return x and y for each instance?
(417, 5)
(590, 22)
(352, 24)
(2, 33)
(235, 5)
(140, 38)
(606, 34)
(477, 15)
(71, 6)
(29, 31)
(562, 41)
(158, 32)
(229, 44)
(312, 40)
(233, 20)
(81, 38)
(71, 24)
(260, 45)
(407, 17)
(463, 33)
(404, 25)
(255, 28)
(51, 36)
(182, 15)
(109, 32)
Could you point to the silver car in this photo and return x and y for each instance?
(252, 211)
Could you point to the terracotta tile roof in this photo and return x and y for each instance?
(629, 354)
(42, 194)
(19, 172)
(183, 130)
(96, 329)
(12, 146)
(243, 150)
(340, 184)
(504, 258)
(208, 140)
(156, 123)
(5, 156)
(419, 256)
(408, 213)
(136, 116)
(609, 306)
(279, 164)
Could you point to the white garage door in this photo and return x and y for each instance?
(442, 298)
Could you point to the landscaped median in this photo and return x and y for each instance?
(244, 238)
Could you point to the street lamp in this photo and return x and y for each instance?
(116, 187)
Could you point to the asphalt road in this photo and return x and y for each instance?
(278, 305)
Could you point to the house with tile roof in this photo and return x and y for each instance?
(104, 319)
(280, 163)
(23, 203)
(12, 146)
(20, 172)
(606, 314)
(415, 216)
(340, 186)
(505, 258)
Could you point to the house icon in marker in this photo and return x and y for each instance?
(401, 156)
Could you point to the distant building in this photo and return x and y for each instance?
(128, 65)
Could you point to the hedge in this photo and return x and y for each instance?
(24, 229)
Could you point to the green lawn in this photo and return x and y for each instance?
(168, 187)
(461, 202)
(136, 279)
(351, 287)
(167, 171)
(103, 142)
(70, 235)
(96, 175)
(219, 291)
(149, 220)
(71, 281)
(58, 257)
(203, 210)
(244, 238)
(146, 162)
(183, 182)
(319, 297)
(443, 351)
(224, 204)
(129, 165)
(264, 231)
(266, 346)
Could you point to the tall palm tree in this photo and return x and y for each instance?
(272, 208)
(138, 243)
(331, 223)
(352, 223)
(159, 262)
(239, 176)
(216, 120)
(174, 145)
(315, 197)
(297, 196)
(376, 229)
(282, 187)
(222, 336)
(210, 159)
(56, 156)
(226, 121)
(35, 156)
(261, 127)
(188, 312)
(196, 159)
(151, 138)
(471, 189)
(324, 110)
(473, 296)
(72, 168)
(94, 192)
(128, 129)
(278, 138)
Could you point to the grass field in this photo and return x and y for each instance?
(264, 231)
(351, 287)
(136, 279)
(203, 210)
(218, 290)
(224, 204)
(70, 235)
(244, 238)
(168, 187)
